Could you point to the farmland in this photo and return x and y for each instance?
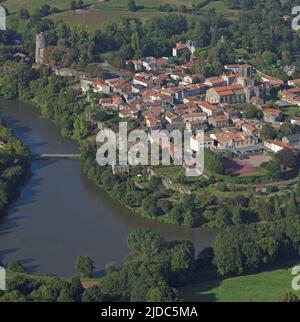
(93, 18)
(96, 12)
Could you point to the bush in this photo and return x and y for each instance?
(16, 266)
(84, 266)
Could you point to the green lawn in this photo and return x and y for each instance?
(292, 111)
(170, 172)
(263, 287)
(226, 194)
(146, 4)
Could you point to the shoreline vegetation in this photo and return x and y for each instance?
(156, 270)
(15, 167)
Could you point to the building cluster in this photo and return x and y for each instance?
(163, 94)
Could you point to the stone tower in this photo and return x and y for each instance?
(40, 48)
(2, 18)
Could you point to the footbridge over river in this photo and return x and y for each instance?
(47, 156)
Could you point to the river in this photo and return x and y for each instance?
(60, 214)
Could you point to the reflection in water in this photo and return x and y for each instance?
(60, 214)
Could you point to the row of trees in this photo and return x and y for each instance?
(24, 288)
(251, 248)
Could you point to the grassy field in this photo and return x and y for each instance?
(227, 194)
(146, 4)
(93, 18)
(101, 11)
(263, 287)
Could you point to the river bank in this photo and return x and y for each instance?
(14, 167)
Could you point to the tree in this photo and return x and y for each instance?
(162, 293)
(150, 207)
(92, 294)
(132, 6)
(65, 295)
(22, 283)
(73, 5)
(273, 168)
(84, 266)
(45, 294)
(108, 179)
(268, 132)
(165, 205)
(154, 182)
(144, 244)
(76, 289)
(126, 52)
(292, 207)
(241, 201)
(287, 158)
(181, 263)
(237, 215)
(115, 284)
(266, 210)
(285, 130)
(227, 254)
(16, 266)
(24, 14)
(223, 217)
(13, 296)
(178, 214)
(251, 112)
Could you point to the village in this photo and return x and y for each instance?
(163, 94)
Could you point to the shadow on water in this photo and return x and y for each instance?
(4, 252)
(99, 273)
(7, 225)
(29, 268)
